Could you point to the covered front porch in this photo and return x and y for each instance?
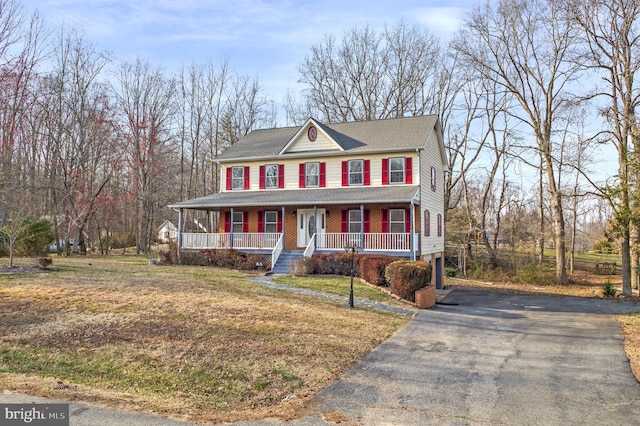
(314, 221)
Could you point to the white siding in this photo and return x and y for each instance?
(430, 200)
(333, 170)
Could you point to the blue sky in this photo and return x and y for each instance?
(262, 38)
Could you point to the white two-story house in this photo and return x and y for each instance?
(378, 185)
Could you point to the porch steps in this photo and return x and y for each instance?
(287, 257)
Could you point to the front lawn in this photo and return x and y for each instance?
(191, 343)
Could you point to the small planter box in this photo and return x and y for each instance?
(426, 297)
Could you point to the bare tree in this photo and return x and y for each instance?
(611, 34)
(146, 99)
(81, 138)
(524, 47)
(368, 76)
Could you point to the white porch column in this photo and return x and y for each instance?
(180, 224)
(412, 230)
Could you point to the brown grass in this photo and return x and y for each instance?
(190, 343)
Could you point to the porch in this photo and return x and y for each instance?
(399, 244)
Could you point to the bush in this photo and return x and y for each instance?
(608, 290)
(532, 273)
(406, 277)
(372, 269)
(302, 267)
(450, 272)
(336, 264)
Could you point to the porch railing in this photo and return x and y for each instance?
(397, 242)
(376, 241)
(241, 240)
(277, 251)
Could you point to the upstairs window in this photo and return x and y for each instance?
(312, 175)
(237, 178)
(271, 176)
(356, 172)
(396, 170)
(439, 225)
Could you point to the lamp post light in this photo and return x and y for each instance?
(353, 248)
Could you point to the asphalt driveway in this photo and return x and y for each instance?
(497, 359)
(487, 358)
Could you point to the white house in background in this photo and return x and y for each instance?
(167, 232)
(319, 187)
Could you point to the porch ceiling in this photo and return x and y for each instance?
(304, 197)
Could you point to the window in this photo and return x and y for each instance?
(356, 172)
(433, 179)
(355, 221)
(312, 175)
(396, 221)
(271, 176)
(237, 222)
(439, 225)
(427, 223)
(271, 221)
(396, 170)
(237, 178)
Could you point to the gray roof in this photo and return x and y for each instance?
(304, 197)
(394, 134)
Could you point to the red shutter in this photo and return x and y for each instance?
(408, 170)
(407, 220)
(228, 178)
(227, 222)
(245, 222)
(246, 177)
(260, 221)
(367, 172)
(280, 176)
(385, 171)
(301, 175)
(385, 220)
(323, 175)
(279, 221)
(367, 221)
(345, 221)
(345, 173)
(262, 177)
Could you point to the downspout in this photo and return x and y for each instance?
(412, 229)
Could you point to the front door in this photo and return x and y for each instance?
(308, 225)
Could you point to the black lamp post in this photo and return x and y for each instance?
(353, 248)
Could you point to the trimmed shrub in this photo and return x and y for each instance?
(405, 277)
(336, 264)
(372, 269)
(302, 267)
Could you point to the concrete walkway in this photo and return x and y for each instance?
(486, 358)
